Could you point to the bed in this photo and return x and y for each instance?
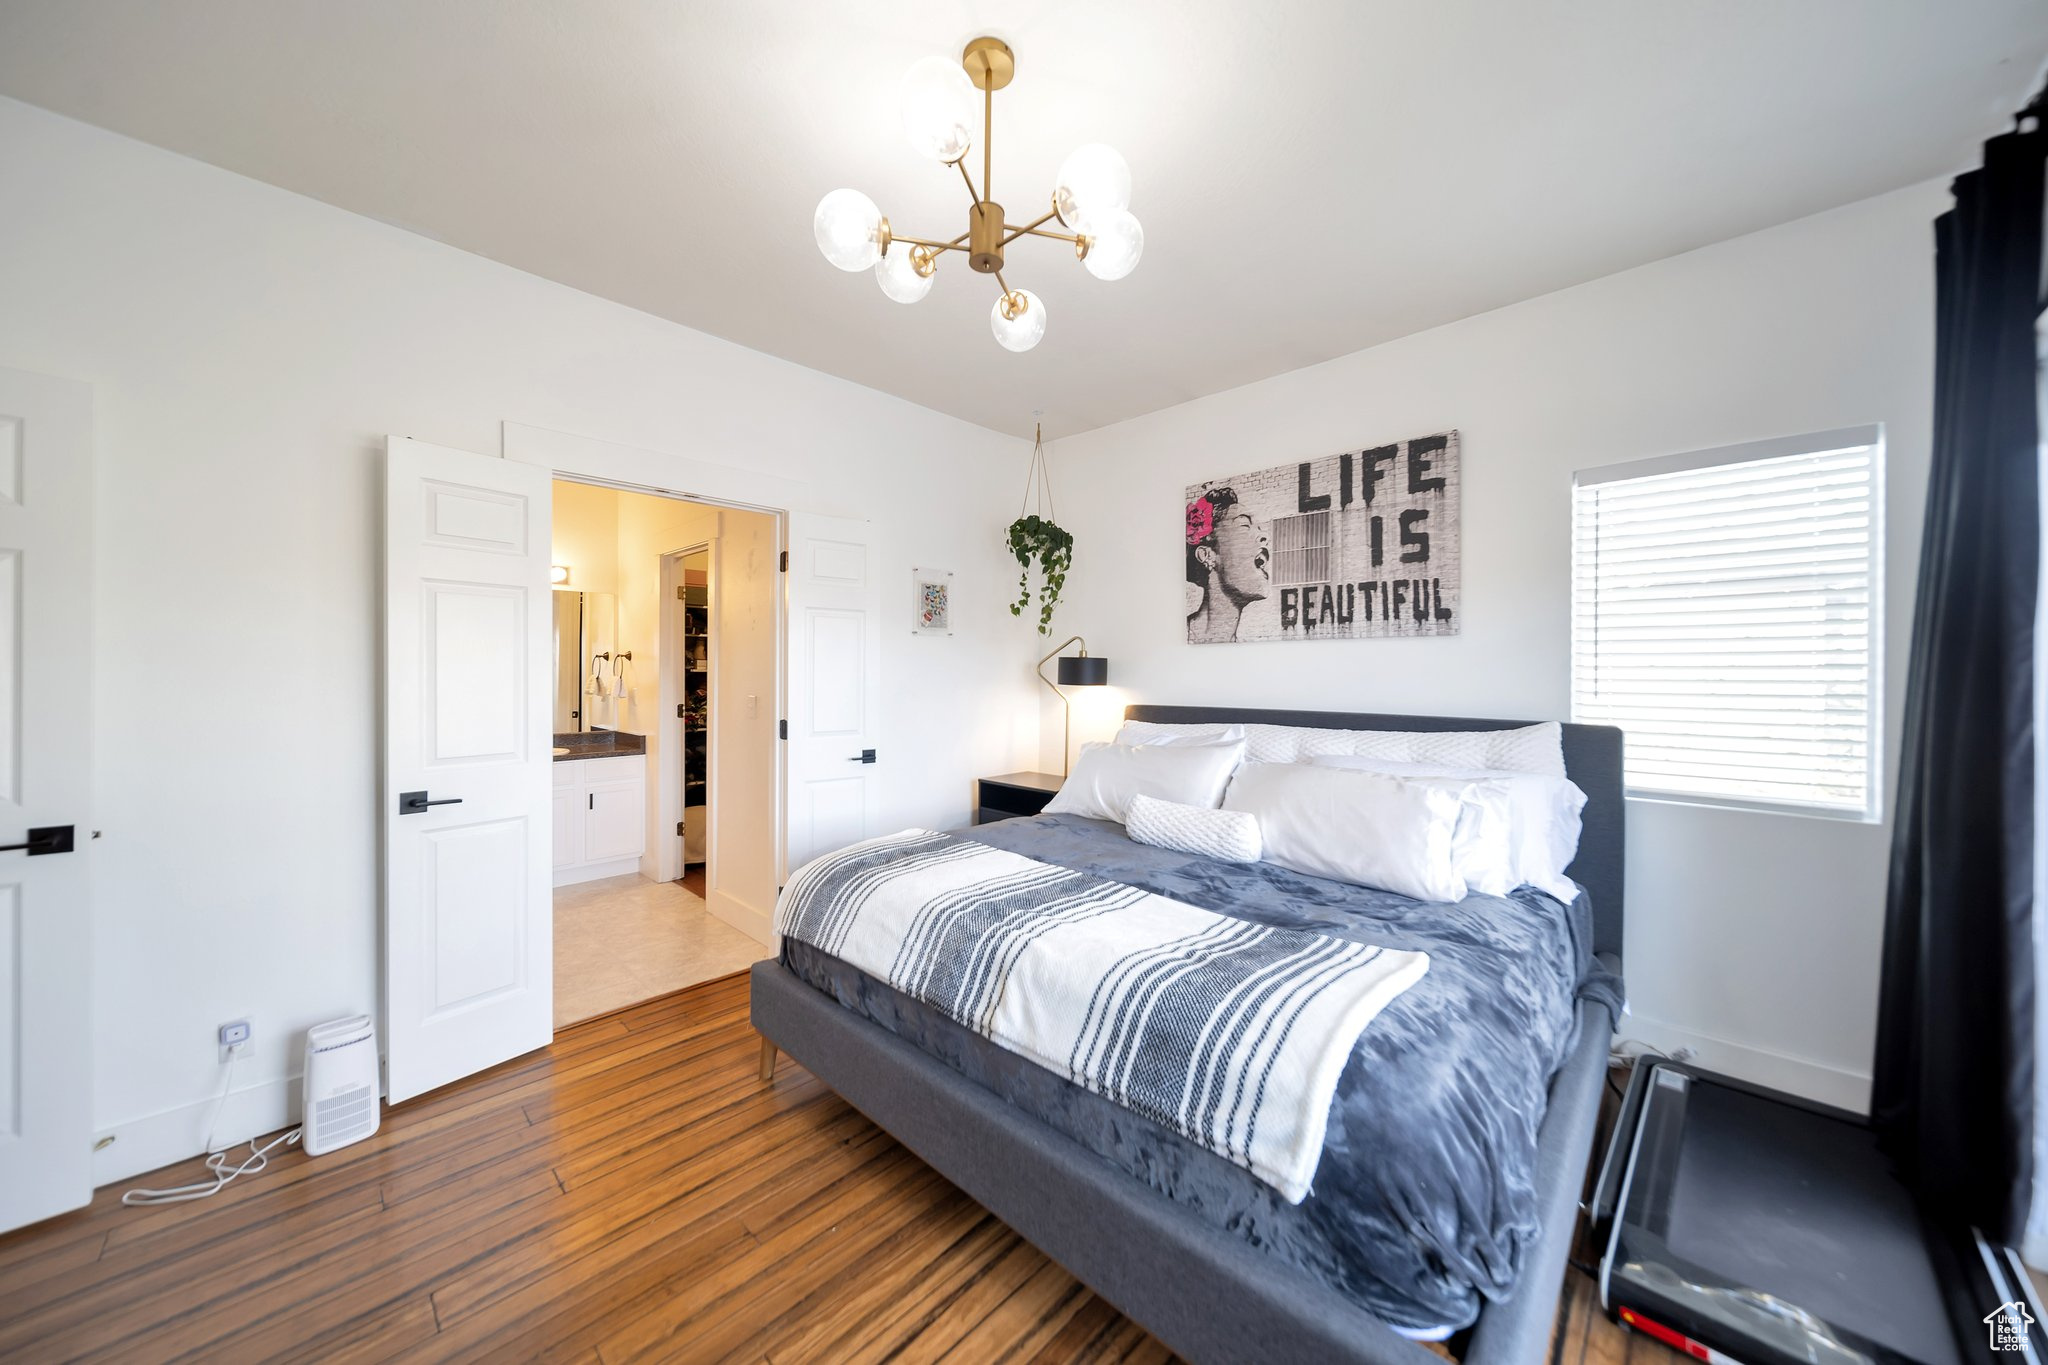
(1187, 1268)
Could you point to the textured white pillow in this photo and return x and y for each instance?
(1365, 828)
(1229, 835)
(1526, 749)
(1542, 814)
(1107, 776)
(1159, 732)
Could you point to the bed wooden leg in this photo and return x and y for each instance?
(767, 1060)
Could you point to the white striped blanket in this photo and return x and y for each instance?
(1229, 1033)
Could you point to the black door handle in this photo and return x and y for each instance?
(864, 756)
(416, 803)
(47, 839)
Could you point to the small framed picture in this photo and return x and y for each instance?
(931, 601)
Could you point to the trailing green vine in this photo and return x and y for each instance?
(1034, 537)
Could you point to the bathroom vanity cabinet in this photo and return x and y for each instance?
(600, 816)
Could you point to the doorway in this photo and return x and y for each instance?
(691, 668)
(469, 669)
(665, 646)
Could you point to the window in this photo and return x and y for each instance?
(1301, 548)
(1724, 615)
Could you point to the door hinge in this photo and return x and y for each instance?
(680, 715)
(681, 596)
(785, 562)
(782, 729)
(679, 827)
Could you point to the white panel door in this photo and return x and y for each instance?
(835, 646)
(45, 796)
(468, 765)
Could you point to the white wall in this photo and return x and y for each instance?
(585, 535)
(1752, 938)
(249, 351)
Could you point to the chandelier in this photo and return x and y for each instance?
(1090, 198)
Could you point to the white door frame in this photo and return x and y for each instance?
(672, 859)
(631, 469)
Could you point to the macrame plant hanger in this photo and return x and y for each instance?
(1038, 478)
(1034, 535)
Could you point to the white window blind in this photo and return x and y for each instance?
(1723, 615)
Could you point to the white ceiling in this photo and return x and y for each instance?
(1314, 177)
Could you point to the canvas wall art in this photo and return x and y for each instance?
(1358, 545)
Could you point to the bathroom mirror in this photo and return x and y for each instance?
(586, 629)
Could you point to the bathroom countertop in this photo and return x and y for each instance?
(599, 744)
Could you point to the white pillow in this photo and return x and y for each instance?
(1365, 828)
(1107, 776)
(1542, 814)
(1482, 847)
(1229, 835)
(1526, 749)
(1155, 732)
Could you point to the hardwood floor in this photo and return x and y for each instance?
(632, 1192)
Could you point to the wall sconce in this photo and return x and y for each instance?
(558, 573)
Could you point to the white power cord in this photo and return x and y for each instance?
(216, 1160)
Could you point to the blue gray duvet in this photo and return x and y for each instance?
(1424, 1199)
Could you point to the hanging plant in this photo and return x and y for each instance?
(1033, 536)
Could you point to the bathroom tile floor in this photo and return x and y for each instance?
(626, 939)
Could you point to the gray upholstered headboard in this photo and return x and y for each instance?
(1592, 759)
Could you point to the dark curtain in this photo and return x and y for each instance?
(1953, 1091)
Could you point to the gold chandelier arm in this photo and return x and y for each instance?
(1032, 227)
(954, 245)
(1002, 284)
(966, 179)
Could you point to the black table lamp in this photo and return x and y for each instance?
(1081, 670)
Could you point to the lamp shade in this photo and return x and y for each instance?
(1088, 670)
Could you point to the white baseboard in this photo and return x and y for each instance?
(1812, 1080)
(591, 872)
(750, 920)
(170, 1135)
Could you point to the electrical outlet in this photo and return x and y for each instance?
(236, 1032)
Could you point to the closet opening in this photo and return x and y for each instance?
(665, 679)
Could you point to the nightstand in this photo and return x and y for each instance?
(1014, 794)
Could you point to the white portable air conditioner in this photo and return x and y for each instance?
(341, 1084)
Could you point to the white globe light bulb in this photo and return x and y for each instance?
(1115, 246)
(939, 104)
(1093, 183)
(1018, 320)
(848, 226)
(899, 276)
